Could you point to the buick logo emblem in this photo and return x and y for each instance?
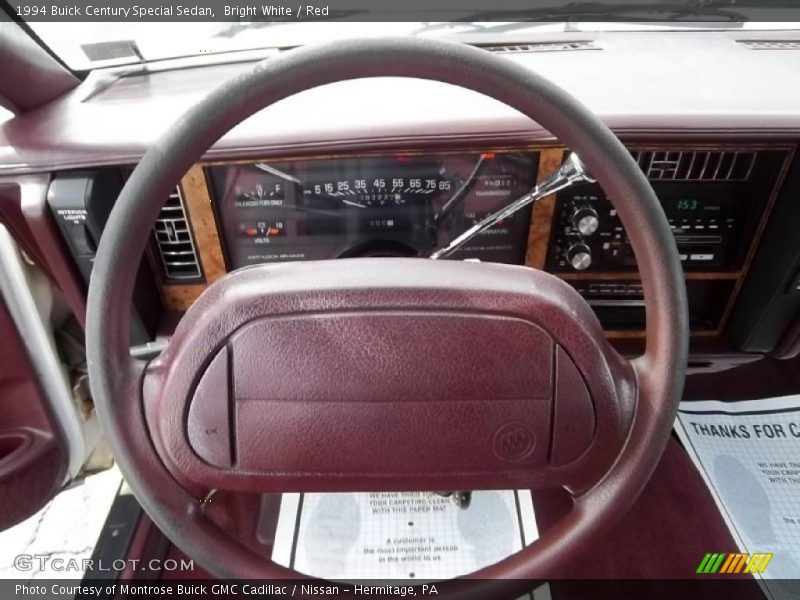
(513, 442)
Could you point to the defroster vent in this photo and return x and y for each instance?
(544, 47)
(770, 44)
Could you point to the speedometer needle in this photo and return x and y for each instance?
(351, 203)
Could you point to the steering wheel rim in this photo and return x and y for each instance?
(117, 379)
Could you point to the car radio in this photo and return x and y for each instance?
(714, 201)
(712, 226)
(708, 231)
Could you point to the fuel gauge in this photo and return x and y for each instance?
(261, 195)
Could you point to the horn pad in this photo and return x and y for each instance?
(438, 386)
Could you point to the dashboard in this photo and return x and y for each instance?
(336, 174)
(227, 215)
(717, 199)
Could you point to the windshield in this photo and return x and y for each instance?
(85, 46)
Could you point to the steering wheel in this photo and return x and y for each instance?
(387, 373)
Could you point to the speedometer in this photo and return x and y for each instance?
(380, 191)
(388, 185)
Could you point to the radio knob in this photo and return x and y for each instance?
(585, 220)
(579, 256)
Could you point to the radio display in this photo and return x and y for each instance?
(399, 205)
(686, 205)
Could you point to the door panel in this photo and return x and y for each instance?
(33, 460)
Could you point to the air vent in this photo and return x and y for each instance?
(543, 47)
(770, 44)
(175, 243)
(695, 165)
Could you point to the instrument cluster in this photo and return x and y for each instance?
(398, 205)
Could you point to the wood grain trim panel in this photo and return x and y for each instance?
(200, 214)
(179, 297)
(543, 210)
(204, 224)
(634, 275)
(639, 334)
